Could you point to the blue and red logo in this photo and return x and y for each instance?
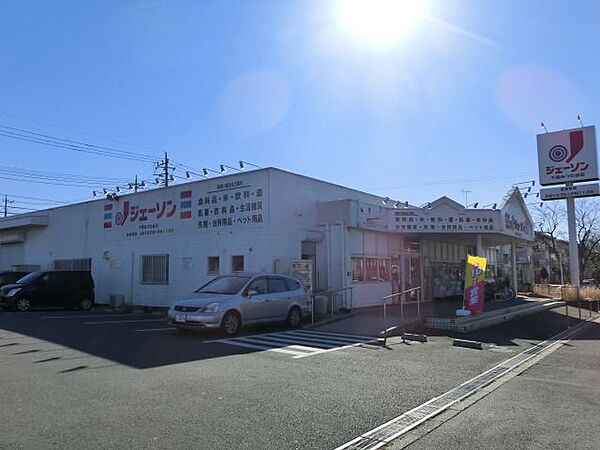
(108, 215)
(185, 205)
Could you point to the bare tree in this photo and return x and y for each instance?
(588, 236)
(551, 221)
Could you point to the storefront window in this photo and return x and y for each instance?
(384, 270)
(358, 269)
(371, 269)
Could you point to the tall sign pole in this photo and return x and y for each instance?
(573, 247)
(565, 159)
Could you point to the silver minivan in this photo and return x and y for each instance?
(230, 301)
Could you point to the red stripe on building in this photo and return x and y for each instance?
(185, 214)
(108, 207)
(186, 194)
(107, 224)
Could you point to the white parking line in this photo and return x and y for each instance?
(156, 329)
(92, 316)
(109, 322)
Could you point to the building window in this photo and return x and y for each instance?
(371, 269)
(358, 269)
(237, 263)
(155, 269)
(213, 265)
(384, 270)
(73, 264)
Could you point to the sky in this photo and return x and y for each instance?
(451, 102)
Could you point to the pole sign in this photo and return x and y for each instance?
(579, 190)
(475, 283)
(567, 156)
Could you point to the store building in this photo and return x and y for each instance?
(153, 247)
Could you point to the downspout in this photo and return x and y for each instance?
(344, 262)
(327, 252)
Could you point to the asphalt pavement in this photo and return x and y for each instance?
(109, 380)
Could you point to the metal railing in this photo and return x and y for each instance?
(401, 294)
(331, 300)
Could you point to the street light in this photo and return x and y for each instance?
(244, 163)
(224, 167)
(206, 171)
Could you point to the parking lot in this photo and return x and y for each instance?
(114, 380)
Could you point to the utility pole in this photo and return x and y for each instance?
(162, 170)
(464, 191)
(6, 202)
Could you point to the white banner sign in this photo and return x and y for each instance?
(580, 190)
(567, 156)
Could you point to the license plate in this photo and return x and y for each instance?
(180, 317)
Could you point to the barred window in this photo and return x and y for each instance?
(237, 263)
(73, 264)
(155, 269)
(213, 265)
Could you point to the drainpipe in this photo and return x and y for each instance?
(327, 234)
(344, 262)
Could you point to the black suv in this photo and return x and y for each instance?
(10, 277)
(70, 289)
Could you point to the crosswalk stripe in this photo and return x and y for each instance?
(259, 347)
(299, 343)
(288, 341)
(340, 335)
(328, 338)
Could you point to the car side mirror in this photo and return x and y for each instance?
(251, 292)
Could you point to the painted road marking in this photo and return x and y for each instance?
(156, 329)
(384, 434)
(299, 344)
(93, 316)
(110, 322)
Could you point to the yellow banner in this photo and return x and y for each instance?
(475, 284)
(475, 269)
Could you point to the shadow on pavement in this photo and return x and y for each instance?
(120, 343)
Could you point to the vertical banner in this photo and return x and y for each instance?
(474, 283)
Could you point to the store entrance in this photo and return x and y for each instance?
(406, 274)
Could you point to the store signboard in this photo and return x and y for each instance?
(302, 269)
(475, 283)
(576, 191)
(567, 156)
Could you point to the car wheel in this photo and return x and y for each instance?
(231, 323)
(294, 317)
(23, 305)
(85, 304)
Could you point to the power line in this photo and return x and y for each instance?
(35, 198)
(69, 144)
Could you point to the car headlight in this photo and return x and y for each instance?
(212, 307)
(13, 292)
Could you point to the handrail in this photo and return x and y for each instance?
(406, 291)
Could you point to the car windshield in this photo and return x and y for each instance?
(30, 278)
(230, 284)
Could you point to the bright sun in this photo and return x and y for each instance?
(381, 22)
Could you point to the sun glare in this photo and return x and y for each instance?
(381, 22)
